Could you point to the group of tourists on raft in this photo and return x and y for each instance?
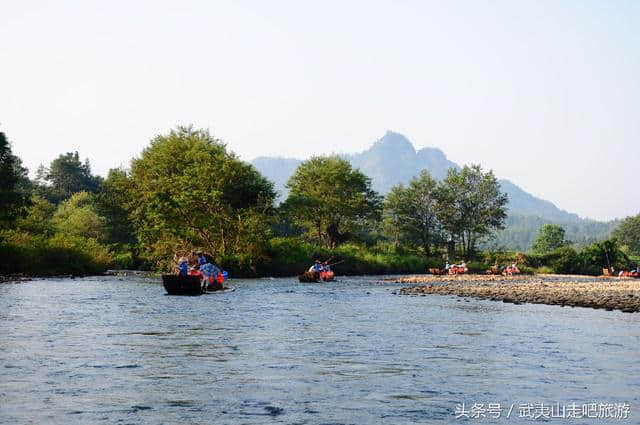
(211, 276)
(630, 273)
(462, 268)
(455, 268)
(318, 267)
(319, 271)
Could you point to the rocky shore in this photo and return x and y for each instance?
(13, 278)
(575, 291)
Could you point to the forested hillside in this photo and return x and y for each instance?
(521, 231)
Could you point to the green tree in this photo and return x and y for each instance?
(550, 237)
(628, 234)
(65, 176)
(470, 206)
(394, 213)
(411, 212)
(331, 200)
(112, 202)
(77, 216)
(563, 260)
(602, 255)
(189, 192)
(38, 218)
(13, 199)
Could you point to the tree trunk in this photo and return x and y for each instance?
(451, 249)
(425, 245)
(334, 235)
(223, 244)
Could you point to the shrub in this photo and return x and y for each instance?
(563, 260)
(544, 270)
(528, 270)
(600, 255)
(62, 254)
(291, 256)
(478, 266)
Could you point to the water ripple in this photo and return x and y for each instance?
(276, 351)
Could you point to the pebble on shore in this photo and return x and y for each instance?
(579, 291)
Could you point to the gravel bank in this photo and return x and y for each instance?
(574, 291)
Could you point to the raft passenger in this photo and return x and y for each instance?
(317, 267)
(209, 276)
(183, 267)
(202, 259)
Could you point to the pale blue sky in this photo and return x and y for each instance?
(545, 93)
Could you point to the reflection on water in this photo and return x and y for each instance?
(108, 350)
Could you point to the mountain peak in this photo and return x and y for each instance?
(393, 160)
(395, 142)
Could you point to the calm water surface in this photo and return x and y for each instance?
(117, 350)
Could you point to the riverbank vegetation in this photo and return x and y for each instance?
(187, 192)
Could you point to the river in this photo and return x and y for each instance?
(114, 350)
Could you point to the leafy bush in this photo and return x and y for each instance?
(591, 260)
(544, 270)
(292, 256)
(478, 266)
(601, 255)
(124, 260)
(528, 270)
(62, 254)
(562, 260)
(77, 217)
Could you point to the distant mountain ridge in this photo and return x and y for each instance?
(392, 160)
(524, 203)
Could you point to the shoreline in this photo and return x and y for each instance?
(14, 278)
(608, 293)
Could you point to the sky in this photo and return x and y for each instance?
(544, 93)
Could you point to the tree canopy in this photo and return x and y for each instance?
(331, 200)
(112, 202)
(550, 237)
(470, 206)
(188, 191)
(603, 254)
(628, 234)
(65, 176)
(77, 216)
(13, 199)
(411, 212)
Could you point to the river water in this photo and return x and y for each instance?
(115, 350)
